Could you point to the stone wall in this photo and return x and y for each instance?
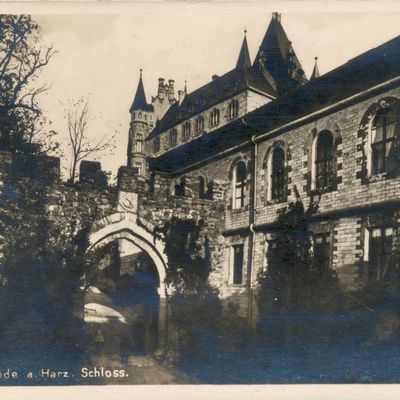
(354, 193)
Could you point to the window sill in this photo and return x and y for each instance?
(276, 201)
(320, 191)
(378, 177)
(239, 210)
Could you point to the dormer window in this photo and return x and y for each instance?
(199, 125)
(173, 137)
(233, 109)
(186, 130)
(214, 117)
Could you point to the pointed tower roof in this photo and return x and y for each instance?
(315, 74)
(140, 101)
(244, 55)
(277, 55)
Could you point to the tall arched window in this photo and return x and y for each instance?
(239, 185)
(214, 117)
(139, 143)
(324, 160)
(385, 131)
(233, 109)
(277, 181)
(173, 137)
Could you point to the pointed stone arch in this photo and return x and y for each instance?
(121, 225)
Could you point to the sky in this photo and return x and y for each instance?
(101, 49)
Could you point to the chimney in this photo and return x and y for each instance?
(161, 88)
(181, 96)
(171, 91)
(276, 16)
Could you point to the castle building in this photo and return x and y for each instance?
(262, 135)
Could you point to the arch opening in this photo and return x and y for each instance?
(125, 310)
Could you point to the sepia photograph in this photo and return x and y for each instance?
(199, 194)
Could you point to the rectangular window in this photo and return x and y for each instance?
(238, 254)
(173, 137)
(322, 250)
(240, 194)
(381, 265)
(138, 166)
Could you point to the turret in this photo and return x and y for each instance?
(142, 120)
(315, 74)
(277, 56)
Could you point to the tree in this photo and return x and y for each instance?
(22, 57)
(79, 144)
(42, 261)
(293, 276)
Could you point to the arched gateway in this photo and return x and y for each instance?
(124, 225)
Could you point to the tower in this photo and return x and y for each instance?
(277, 58)
(142, 122)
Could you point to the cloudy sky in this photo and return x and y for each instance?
(101, 48)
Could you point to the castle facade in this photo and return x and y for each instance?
(263, 135)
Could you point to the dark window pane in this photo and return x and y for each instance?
(278, 174)
(324, 160)
(238, 264)
(322, 250)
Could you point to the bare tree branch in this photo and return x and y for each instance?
(77, 116)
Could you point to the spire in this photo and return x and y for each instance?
(278, 56)
(244, 55)
(315, 74)
(140, 98)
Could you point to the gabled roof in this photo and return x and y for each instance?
(140, 102)
(219, 89)
(276, 54)
(372, 68)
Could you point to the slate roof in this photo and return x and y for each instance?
(140, 102)
(371, 68)
(315, 73)
(214, 92)
(244, 55)
(276, 54)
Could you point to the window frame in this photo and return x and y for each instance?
(273, 177)
(139, 143)
(382, 113)
(173, 137)
(375, 271)
(327, 237)
(186, 130)
(199, 125)
(214, 117)
(233, 109)
(239, 188)
(328, 164)
(234, 264)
